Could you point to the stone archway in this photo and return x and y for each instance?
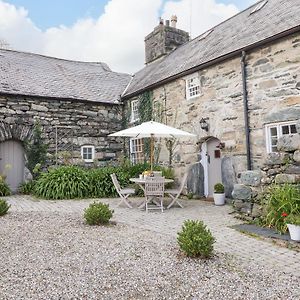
(12, 154)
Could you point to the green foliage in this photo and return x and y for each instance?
(4, 207)
(219, 188)
(195, 239)
(98, 213)
(27, 188)
(4, 188)
(36, 150)
(190, 195)
(65, 182)
(279, 202)
(293, 219)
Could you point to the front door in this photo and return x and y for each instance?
(211, 161)
(12, 163)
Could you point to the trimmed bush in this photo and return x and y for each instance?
(280, 201)
(27, 188)
(4, 207)
(219, 188)
(195, 239)
(4, 188)
(66, 182)
(98, 213)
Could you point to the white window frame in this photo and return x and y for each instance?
(192, 90)
(92, 152)
(134, 108)
(278, 127)
(136, 150)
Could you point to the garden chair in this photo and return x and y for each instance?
(123, 193)
(175, 193)
(154, 190)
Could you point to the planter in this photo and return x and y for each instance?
(294, 231)
(219, 199)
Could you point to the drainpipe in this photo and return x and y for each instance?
(246, 110)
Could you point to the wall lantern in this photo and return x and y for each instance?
(203, 124)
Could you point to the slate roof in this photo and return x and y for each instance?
(36, 75)
(242, 31)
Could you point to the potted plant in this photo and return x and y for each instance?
(293, 224)
(219, 194)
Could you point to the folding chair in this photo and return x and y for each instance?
(154, 190)
(175, 193)
(123, 193)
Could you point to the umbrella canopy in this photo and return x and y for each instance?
(152, 129)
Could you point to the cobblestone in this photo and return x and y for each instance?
(218, 219)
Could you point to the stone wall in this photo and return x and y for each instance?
(278, 168)
(273, 84)
(88, 123)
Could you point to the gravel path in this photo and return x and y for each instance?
(50, 255)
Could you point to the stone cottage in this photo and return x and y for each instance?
(76, 103)
(237, 86)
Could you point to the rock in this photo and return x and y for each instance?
(290, 113)
(289, 143)
(228, 175)
(277, 158)
(256, 210)
(39, 107)
(287, 178)
(293, 169)
(195, 180)
(296, 156)
(27, 175)
(241, 192)
(238, 204)
(266, 180)
(273, 171)
(252, 178)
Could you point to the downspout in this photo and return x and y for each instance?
(246, 110)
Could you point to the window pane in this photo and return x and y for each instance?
(285, 129)
(273, 131)
(293, 129)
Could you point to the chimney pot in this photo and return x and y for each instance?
(167, 22)
(173, 21)
(161, 21)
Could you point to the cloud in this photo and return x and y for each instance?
(116, 37)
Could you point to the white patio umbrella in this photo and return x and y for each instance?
(151, 130)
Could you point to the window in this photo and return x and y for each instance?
(259, 6)
(134, 110)
(192, 87)
(275, 131)
(137, 151)
(88, 153)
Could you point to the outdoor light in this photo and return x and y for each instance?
(203, 124)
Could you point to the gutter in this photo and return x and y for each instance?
(246, 109)
(230, 55)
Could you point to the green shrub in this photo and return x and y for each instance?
(65, 182)
(97, 214)
(4, 207)
(27, 188)
(4, 188)
(219, 188)
(279, 202)
(195, 239)
(293, 219)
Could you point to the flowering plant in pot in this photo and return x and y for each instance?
(219, 194)
(293, 224)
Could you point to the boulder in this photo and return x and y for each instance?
(296, 156)
(292, 169)
(241, 192)
(289, 143)
(256, 210)
(287, 178)
(277, 158)
(252, 178)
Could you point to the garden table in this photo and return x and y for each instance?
(141, 183)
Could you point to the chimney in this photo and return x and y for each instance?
(174, 21)
(164, 39)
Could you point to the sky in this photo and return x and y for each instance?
(111, 31)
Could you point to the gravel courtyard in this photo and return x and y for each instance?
(47, 252)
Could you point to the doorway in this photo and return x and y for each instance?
(211, 162)
(12, 163)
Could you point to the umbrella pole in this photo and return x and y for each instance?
(151, 151)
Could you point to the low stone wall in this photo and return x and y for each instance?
(282, 167)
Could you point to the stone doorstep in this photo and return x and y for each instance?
(269, 234)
